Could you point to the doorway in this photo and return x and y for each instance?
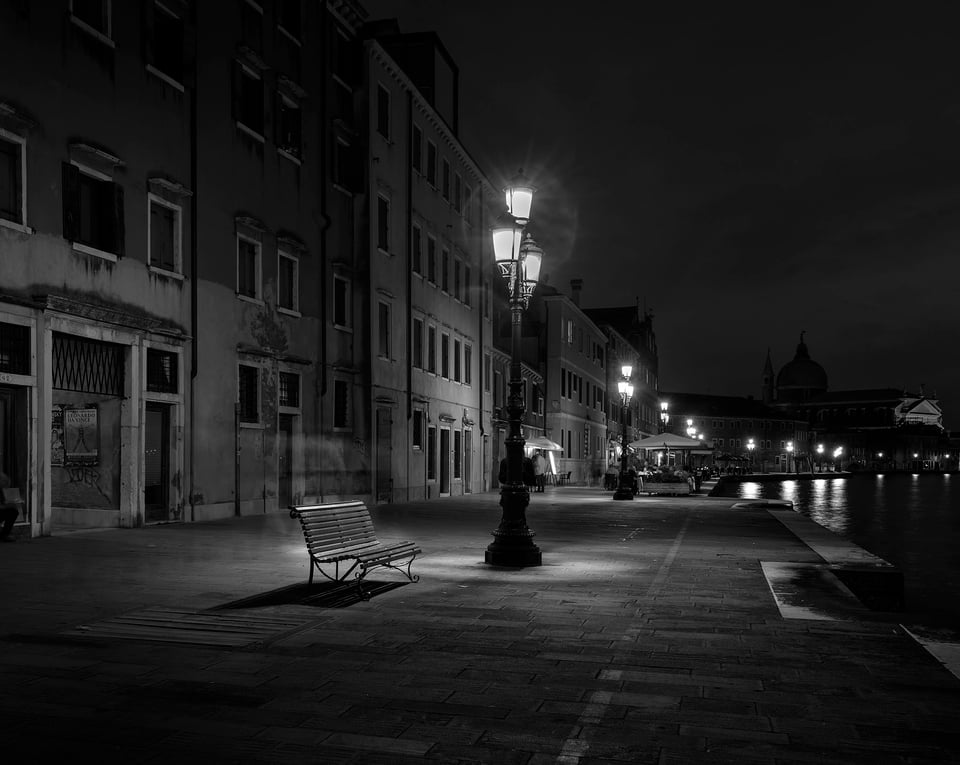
(444, 461)
(467, 460)
(156, 458)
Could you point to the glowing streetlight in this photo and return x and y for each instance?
(625, 387)
(664, 415)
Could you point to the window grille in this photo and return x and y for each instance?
(289, 389)
(89, 366)
(161, 371)
(14, 349)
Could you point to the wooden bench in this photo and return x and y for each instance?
(342, 533)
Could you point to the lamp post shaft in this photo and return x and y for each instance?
(512, 543)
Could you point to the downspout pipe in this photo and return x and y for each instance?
(194, 246)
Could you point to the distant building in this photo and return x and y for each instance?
(875, 429)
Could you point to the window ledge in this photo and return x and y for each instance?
(252, 425)
(87, 250)
(289, 312)
(248, 299)
(384, 252)
(166, 78)
(164, 272)
(289, 35)
(288, 156)
(250, 132)
(93, 32)
(343, 189)
(343, 328)
(16, 226)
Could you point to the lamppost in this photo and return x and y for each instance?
(750, 447)
(836, 459)
(624, 489)
(664, 415)
(691, 431)
(518, 259)
(819, 458)
(789, 454)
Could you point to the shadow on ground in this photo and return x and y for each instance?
(320, 595)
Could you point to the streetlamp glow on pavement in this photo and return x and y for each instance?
(625, 387)
(518, 260)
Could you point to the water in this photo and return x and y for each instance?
(912, 521)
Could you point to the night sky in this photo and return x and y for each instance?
(744, 176)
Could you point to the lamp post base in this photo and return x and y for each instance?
(512, 543)
(623, 492)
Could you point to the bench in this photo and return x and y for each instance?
(341, 533)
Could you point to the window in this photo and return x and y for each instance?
(445, 180)
(165, 54)
(345, 165)
(251, 25)
(416, 439)
(432, 453)
(431, 260)
(13, 179)
(498, 388)
(383, 347)
(341, 301)
(383, 223)
(418, 343)
(383, 111)
(248, 100)
(341, 405)
(487, 365)
(289, 389)
(457, 192)
(248, 267)
(432, 163)
(445, 355)
(445, 271)
(94, 15)
(416, 149)
(288, 17)
(288, 126)
(467, 364)
(457, 452)
(288, 281)
(248, 393)
(14, 348)
(164, 235)
(92, 210)
(467, 201)
(416, 247)
(456, 279)
(456, 361)
(161, 371)
(432, 350)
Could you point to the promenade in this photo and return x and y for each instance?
(650, 634)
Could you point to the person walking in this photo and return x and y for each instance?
(539, 471)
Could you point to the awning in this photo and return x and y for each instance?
(668, 441)
(542, 442)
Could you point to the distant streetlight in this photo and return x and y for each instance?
(664, 415)
(837, 462)
(518, 259)
(789, 454)
(750, 447)
(691, 431)
(820, 458)
(625, 387)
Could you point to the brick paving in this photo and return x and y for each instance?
(649, 635)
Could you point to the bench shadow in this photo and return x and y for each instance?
(319, 595)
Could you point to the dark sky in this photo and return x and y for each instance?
(745, 176)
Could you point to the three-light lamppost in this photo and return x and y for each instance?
(625, 387)
(518, 260)
(664, 415)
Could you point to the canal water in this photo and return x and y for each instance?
(912, 521)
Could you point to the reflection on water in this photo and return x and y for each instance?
(913, 521)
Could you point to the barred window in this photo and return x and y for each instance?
(161, 371)
(289, 389)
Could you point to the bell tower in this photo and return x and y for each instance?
(766, 384)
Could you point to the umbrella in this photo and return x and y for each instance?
(667, 441)
(542, 442)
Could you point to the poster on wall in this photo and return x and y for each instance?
(56, 437)
(81, 436)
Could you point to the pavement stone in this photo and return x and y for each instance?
(649, 635)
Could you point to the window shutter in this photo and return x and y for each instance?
(119, 227)
(70, 190)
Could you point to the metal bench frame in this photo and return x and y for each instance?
(342, 532)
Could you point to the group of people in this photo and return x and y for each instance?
(534, 471)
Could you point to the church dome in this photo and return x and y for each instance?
(802, 378)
